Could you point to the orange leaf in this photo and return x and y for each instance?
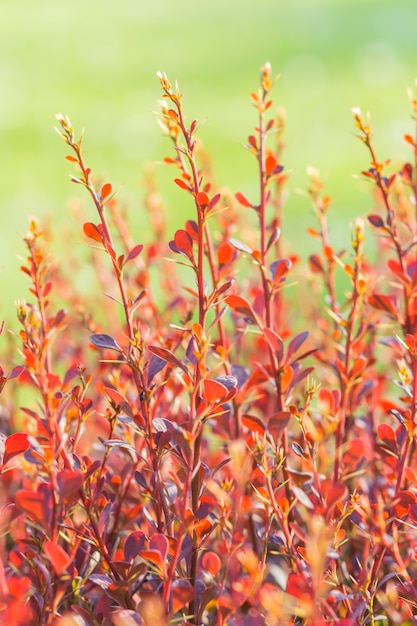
(225, 253)
(286, 378)
(182, 594)
(202, 199)
(91, 231)
(58, 557)
(243, 200)
(201, 527)
(155, 557)
(15, 444)
(214, 391)
(403, 501)
(328, 252)
(106, 190)
(270, 165)
(182, 184)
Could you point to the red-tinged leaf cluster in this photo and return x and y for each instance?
(229, 445)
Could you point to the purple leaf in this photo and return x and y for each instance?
(296, 343)
(100, 340)
(134, 544)
(230, 382)
(156, 364)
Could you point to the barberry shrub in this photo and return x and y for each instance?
(218, 435)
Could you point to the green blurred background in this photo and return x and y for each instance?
(97, 62)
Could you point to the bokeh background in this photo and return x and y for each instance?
(97, 62)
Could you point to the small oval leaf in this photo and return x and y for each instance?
(101, 340)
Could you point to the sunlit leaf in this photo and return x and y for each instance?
(57, 556)
(168, 356)
(15, 444)
(91, 231)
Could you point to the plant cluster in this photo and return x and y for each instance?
(229, 442)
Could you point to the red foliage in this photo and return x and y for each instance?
(227, 454)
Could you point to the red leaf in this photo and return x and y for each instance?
(168, 356)
(115, 395)
(394, 266)
(184, 242)
(215, 199)
(242, 306)
(36, 504)
(58, 557)
(404, 500)
(211, 562)
(243, 200)
(355, 449)
(106, 190)
(253, 424)
(182, 184)
(387, 435)
(15, 444)
(270, 165)
(160, 543)
(278, 423)
(225, 253)
(182, 594)
(135, 252)
(297, 587)
(214, 391)
(383, 303)
(192, 229)
(110, 249)
(202, 199)
(275, 342)
(279, 269)
(70, 483)
(201, 527)
(335, 494)
(91, 231)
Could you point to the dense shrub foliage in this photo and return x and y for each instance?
(227, 443)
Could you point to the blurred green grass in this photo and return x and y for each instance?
(98, 62)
